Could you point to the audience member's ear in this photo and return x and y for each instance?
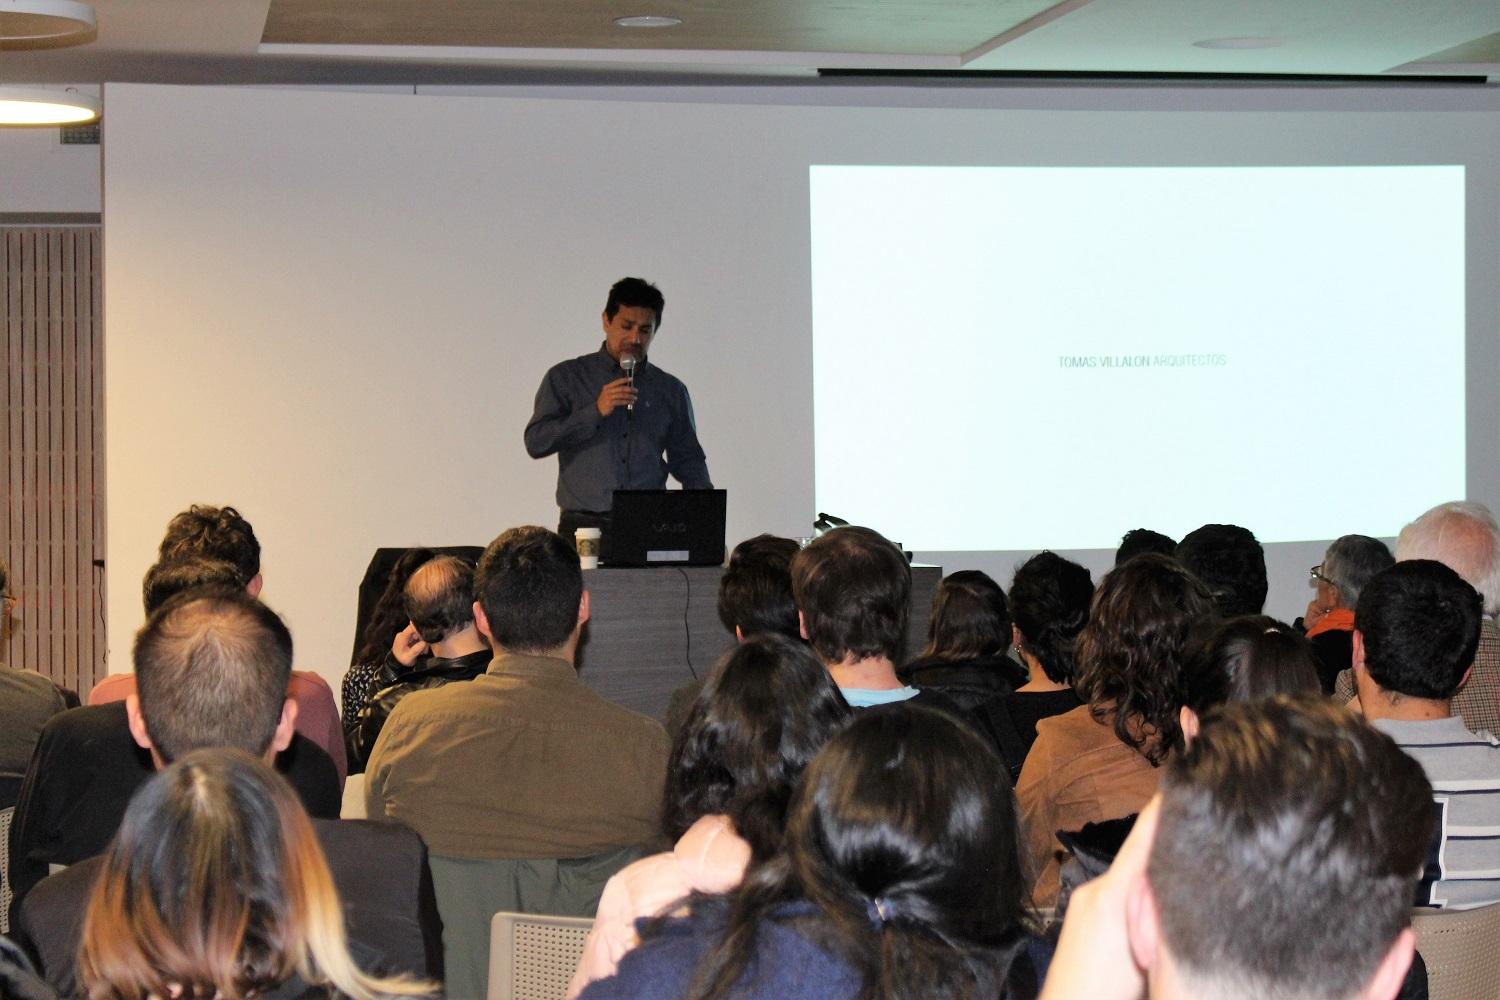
(482, 623)
(583, 608)
(137, 721)
(1143, 926)
(285, 729)
(1391, 973)
(1187, 719)
(1357, 656)
(1016, 637)
(802, 626)
(253, 587)
(739, 634)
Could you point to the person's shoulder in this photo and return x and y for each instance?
(88, 722)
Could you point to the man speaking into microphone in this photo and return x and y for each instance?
(614, 420)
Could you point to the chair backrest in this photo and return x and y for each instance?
(533, 957)
(470, 891)
(1462, 951)
(5, 817)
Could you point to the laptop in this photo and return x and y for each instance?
(665, 528)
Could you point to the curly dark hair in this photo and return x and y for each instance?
(1131, 654)
(1049, 602)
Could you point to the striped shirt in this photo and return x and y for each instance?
(1463, 870)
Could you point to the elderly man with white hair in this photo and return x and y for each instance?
(1464, 536)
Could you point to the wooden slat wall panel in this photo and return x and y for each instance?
(52, 520)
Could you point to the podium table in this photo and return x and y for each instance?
(652, 630)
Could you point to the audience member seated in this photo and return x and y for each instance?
(1049, 604)
(755, 597)
(1138, 541)
(223, 535)
(1278, 861)
(27, 699)
(530, 789)
(216, 887)
(1463, 536)
(900, 877)
(765, 712)
(1347, 566)
(213, 666)
(1100, 761)
(88, 762)
(373, 666)
(853, 592)
(1414, 636)
(967, 638)
(1246, 659)
(439, 605)
(1231, 563)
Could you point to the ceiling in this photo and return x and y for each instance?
(412, 42)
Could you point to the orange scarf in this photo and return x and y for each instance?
(1337, 620)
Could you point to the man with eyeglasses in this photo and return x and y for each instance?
(27, 699)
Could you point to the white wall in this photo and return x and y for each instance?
(332, 310)
(39, 174)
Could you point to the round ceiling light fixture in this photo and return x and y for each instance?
(46, 22)
(37, 106)
(648, 21)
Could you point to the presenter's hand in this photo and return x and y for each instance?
(407, 646)
(614, 394)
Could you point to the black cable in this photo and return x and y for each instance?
(687, 631)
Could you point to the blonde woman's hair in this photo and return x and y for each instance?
(215, 886)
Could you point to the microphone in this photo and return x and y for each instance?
(628, 363)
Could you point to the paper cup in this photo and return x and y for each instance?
(587, 540)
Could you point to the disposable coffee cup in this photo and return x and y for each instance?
(587, 540)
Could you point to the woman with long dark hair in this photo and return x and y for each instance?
(763, 714)
(215, 886)
(1099, 762)
(899, 877)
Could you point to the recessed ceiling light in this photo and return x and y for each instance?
(648, 21)
(49, 21)
(1242, 42)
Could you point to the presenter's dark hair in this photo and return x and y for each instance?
(1308, 824)
(1247, 659)
(1420, 624)
(214, 532)
(854, 589)
(529, 585)
(439, 597)
(211, 670)
(1132, 653)
(1231, 563)
(902, 837)
(166, 580)
(765, 712)
(755, 592)
(1139, 540)
(636, 292)
(389, 616)
(970, 618)
(1049, 603)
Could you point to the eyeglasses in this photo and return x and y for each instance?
(1316, 574)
